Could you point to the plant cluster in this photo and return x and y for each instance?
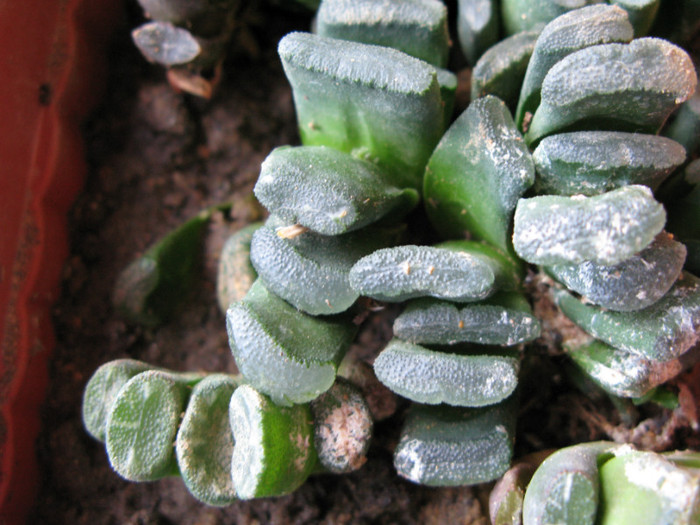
(562, 169)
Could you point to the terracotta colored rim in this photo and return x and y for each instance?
(50, 67)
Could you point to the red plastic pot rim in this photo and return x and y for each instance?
(50, 77)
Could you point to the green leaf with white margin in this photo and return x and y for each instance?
(328, 191)
(452, 446)
(619, 372)
(625, 87)
(523, 15)
(565, 488)
(501, 69)
(460, 271)
(285, 353)
(204, 442)
(644, 488)
(352, 96)
(642, 14)
(476, 175)
(470, 376)
(593, 162)
(661, 332)
(235, 273)
(342, 427)
(505, 318)
(101, 390)
(311, 271)
(416, 27)
(572, 31)
(633, 284)
(478, 26)
(605, 229)
(274, 451)
(142, 425)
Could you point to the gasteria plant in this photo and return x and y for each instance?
(566, 185)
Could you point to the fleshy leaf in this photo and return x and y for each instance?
(605, 229)
(523, 15)
(642, 14)
(474, 377)
(236, 274)
(477, 27)
(285, 353)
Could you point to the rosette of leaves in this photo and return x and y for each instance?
(189, 38)
(600, 482)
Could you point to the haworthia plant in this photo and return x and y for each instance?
(102, 389)
(274, 451)
(570, 32)
(374, 100)
(458, 376)
(593, 162)
(478, 28)
(605, 229)
(284, 353)
(342, 427)
(504, 319)
(521, 15)
(416, 27)
(311, 271)
(328, 191)
(235, 274)
(454, 272)
(142, 425)
(652, 78)
(204, 443)
(633, 284)
(448, 446)
(501, 69)
(619, 372)
(661, 332)
(644, 488)
(565, 488)
(152, 286)
(476, 175)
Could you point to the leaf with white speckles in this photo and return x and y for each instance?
(451, 446)
(605, 229)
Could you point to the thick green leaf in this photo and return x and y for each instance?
(626, 87)
(604, 229)
(311, 271)
(474, 377)
(504, 319)
(565, 488)
(477, 174)
(685, 126)
(572, 31)
(328, 191)
(661, 332)
(342, 427)
(642, 14)
(633, 284)
(204, 442)
(376, 100)
(142, 425)
(501, 69)
(236, 273)
(478, 28)
(285, 353)
(416, 27)
(404, 272)
(102, 389)
(448, 446)
(644, 488)
(274, 451)
(619, 372)
(593, 162)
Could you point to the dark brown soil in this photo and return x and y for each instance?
(157, 158)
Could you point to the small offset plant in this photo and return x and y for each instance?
(562, 170)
